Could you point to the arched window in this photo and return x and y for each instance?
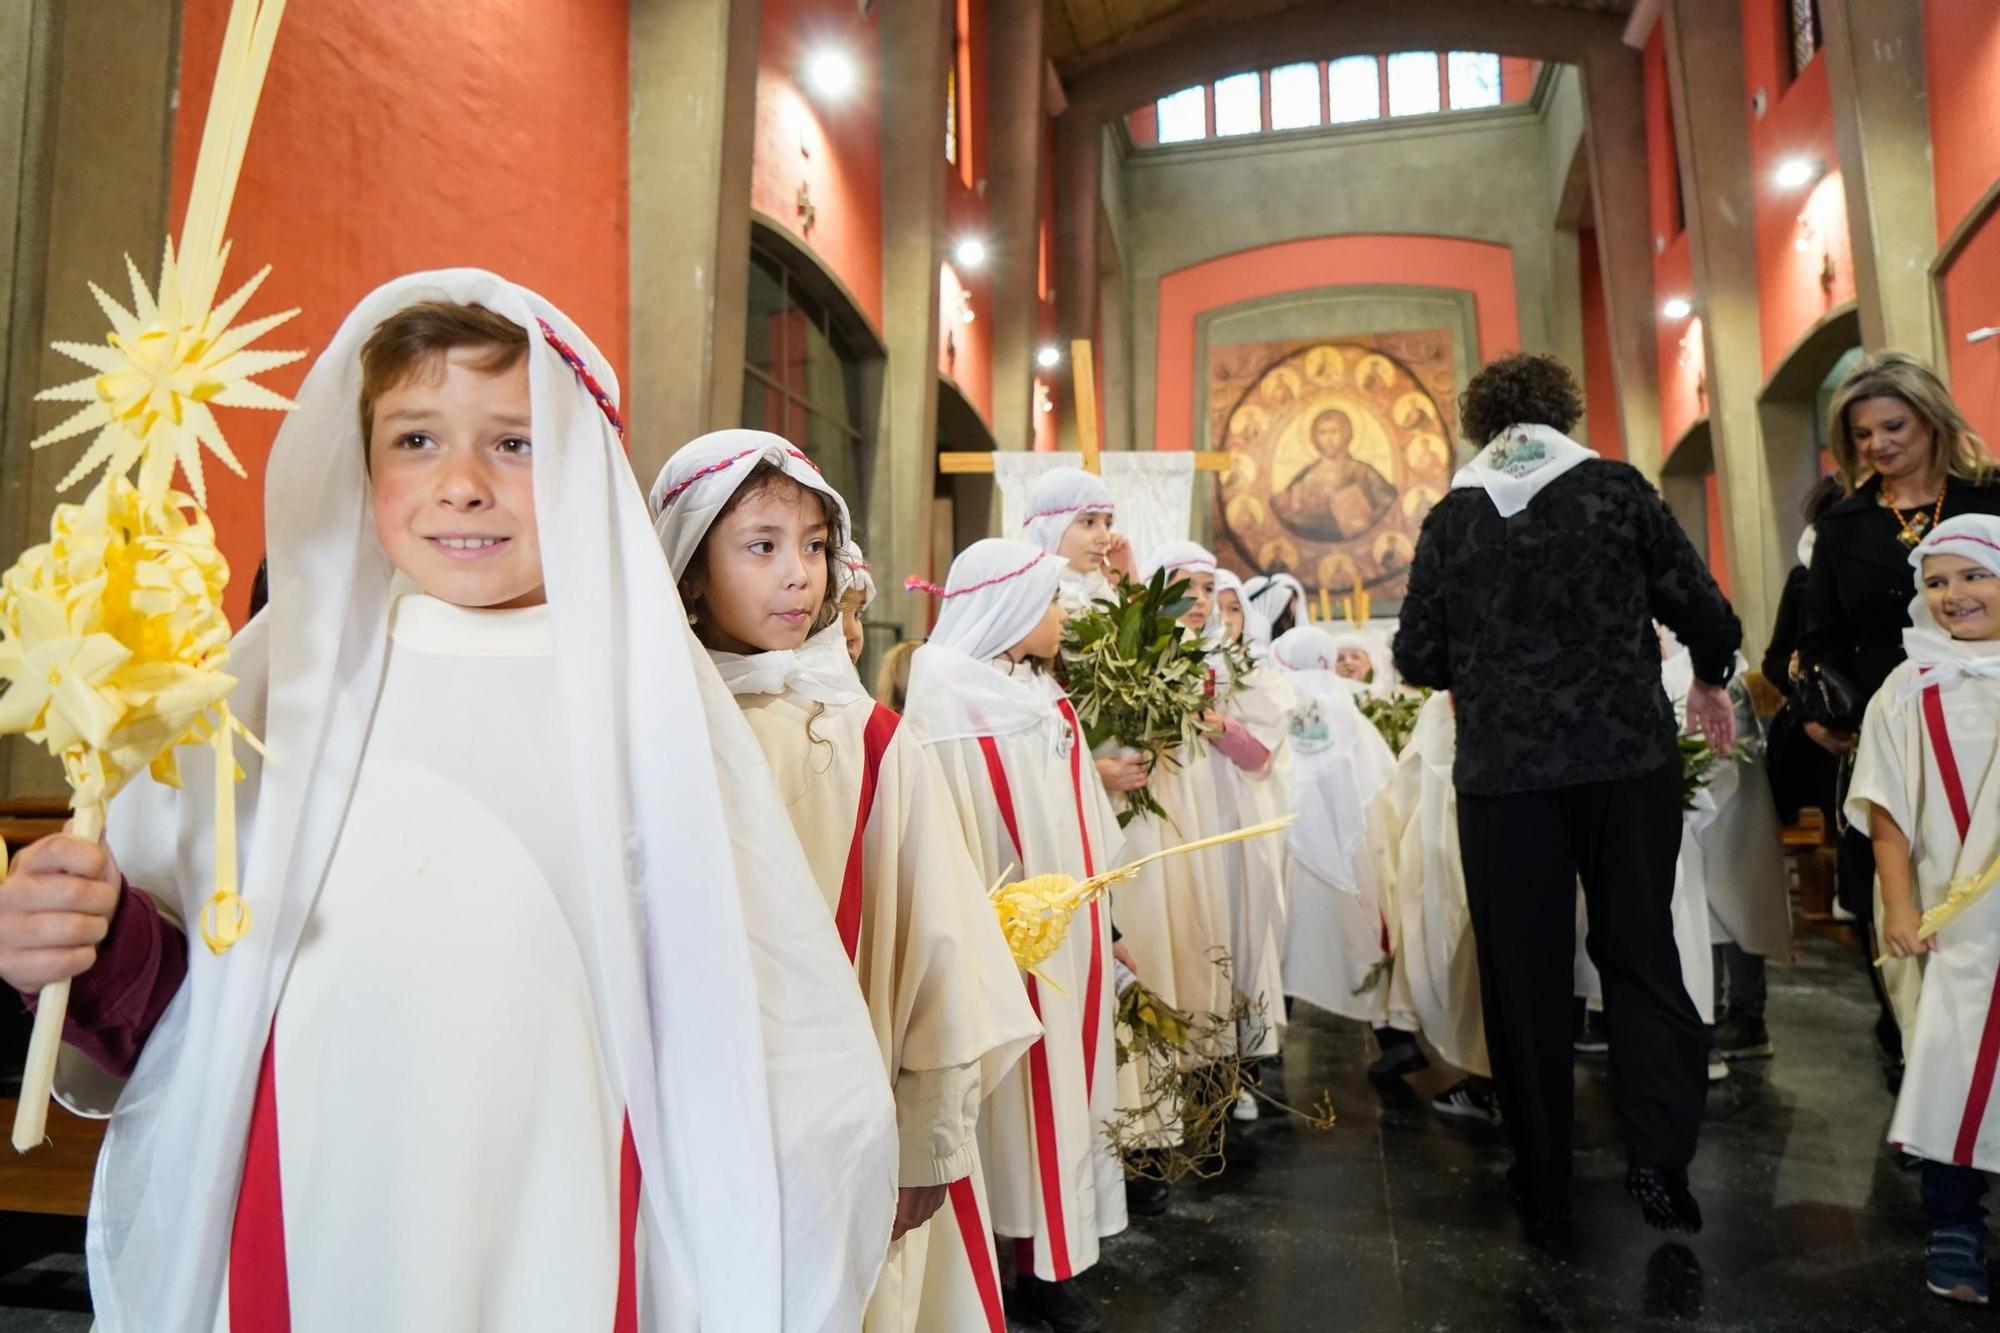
(805, 365)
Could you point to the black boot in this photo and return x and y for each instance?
(1664, 1198)
(1145, 1192)
(1400, 1054)
(1057, 1304)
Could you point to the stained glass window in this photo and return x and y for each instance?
(1294, 97)
(1474, 78)
(1184, 115)
(1239, 105)
(951, 114)
(1413, 83)
(1805, 33)
(1354, 89)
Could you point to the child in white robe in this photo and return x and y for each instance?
(1362, 661)
(534, 1027)
(1253, 723)
(1070, 514)
(1013, 759)
(1175, 917)
(751, 533)
(1337, 945)
(1279, 601)
(1925, 784)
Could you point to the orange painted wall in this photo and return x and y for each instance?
(390, 139)
(1679, 346)
(1962, 50)
(832, 148)
(1805, 258)
(1718, 553)
(1479, 267)
(967, 214)
(1962, 55)
(1600, 386)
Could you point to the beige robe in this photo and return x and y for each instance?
(1051, 1175)
(940, 984)
(1946, 1111)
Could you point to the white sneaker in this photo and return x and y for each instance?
(1246, 1106)
(1718, 1069)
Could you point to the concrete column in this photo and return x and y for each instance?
(1614, 139)
(1015, 119)
(1875, 68)
(1711, 122)
(1079, 168)
(916, 44)
(87, 94)
(693, 113)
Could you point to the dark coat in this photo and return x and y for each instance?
(1541, 625)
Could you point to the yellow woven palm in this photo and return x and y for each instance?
(1035, 913)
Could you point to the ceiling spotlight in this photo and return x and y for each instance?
(971, 252)
(1049, 358)
(831, 73)
(1676, 307)
(1797, 172)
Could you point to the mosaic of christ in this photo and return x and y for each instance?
(1337, 451)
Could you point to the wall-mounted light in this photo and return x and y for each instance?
(1049, 358)
(970, 252)
(830, 73)
(964, 306)
(1795, 173)
(1676, 307)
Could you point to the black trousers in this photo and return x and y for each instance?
(1524, 853)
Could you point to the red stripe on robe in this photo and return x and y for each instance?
(260, 1298)
(875, 740)
(1093, 989)
(1043, 1096)
(978, 1251)
(1981, 1090)
(625, 1314)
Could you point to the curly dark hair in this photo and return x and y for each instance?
(1519, 390)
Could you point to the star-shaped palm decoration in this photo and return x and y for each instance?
(165, 361)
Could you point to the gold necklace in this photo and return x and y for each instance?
(1913, 532)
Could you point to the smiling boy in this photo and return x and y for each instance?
(502, 1051)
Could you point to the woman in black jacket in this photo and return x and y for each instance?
(1801, 770)
(1909, 461)
(1532, 598)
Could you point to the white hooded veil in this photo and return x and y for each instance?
(764, 1129)
(996, 593)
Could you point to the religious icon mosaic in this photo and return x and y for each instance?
(1338, 449)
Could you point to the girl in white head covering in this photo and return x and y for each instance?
(1070, 514)
(1278, 600)
(1337, 928)
(488, 844)
(751, 532)
(1924, 782)
(857, 594)
(1255, 713)
(1014, 762)
(1176, 916)
(1362, 663)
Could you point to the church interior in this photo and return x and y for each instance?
(1247, 253)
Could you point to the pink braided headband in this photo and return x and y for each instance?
(916, 583)
(1961, 537)
(1090, 508)
(722, 466)
(597, 391)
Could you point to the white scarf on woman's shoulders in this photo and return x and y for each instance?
(1518, 462)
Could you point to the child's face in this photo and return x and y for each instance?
(1201, 587)
(1045, 640)
(1229, 608)
(452, 483)
(1085, 541)
(763, 572)
(1354, 664)
(1963, 596)
(850, 628)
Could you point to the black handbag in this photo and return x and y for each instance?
(1830, 699)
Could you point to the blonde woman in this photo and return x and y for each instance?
(1909, 461)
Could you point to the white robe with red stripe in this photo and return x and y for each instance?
(1032, 801)
(889, 856)
(436, 1137)
(1933, 763)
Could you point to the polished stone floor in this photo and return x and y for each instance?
(1395, 1220)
